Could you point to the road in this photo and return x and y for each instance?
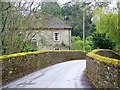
(69, 74)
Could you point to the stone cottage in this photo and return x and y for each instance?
(53, 34)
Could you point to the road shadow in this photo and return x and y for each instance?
(85, 81)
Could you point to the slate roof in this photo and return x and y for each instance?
(54, 22)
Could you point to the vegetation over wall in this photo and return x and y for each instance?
(103, 68)
(20, 64)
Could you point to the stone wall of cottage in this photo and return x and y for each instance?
(45, 39)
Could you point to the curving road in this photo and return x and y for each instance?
(69, 74)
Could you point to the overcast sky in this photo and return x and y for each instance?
(63, 1)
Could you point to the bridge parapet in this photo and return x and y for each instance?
(103, 68)
(17, 65)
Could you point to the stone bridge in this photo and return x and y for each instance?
(69, 69)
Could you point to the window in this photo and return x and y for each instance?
(56, 36)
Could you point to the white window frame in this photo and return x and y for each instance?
(58, 36)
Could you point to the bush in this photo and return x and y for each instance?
(77, 44)
(101, 41)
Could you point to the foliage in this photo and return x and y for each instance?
(92, 28)
(12, 18)
(101, 41)
(77, 44)
(72, 13)
(77, 31)
(107, 23)
(64, 45)
(22, 46)
(51, 8)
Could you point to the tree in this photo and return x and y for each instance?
(4, 16)
(51, 8)
(92, 28)
(107, 23)
(15, 17)
(72, 13)
(101, 41)
(77, 44)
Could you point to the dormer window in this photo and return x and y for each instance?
(56, 36)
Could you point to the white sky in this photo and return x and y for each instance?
(63, 1)
(113, 4)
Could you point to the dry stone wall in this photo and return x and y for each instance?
(17, 65)
(102, 71)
